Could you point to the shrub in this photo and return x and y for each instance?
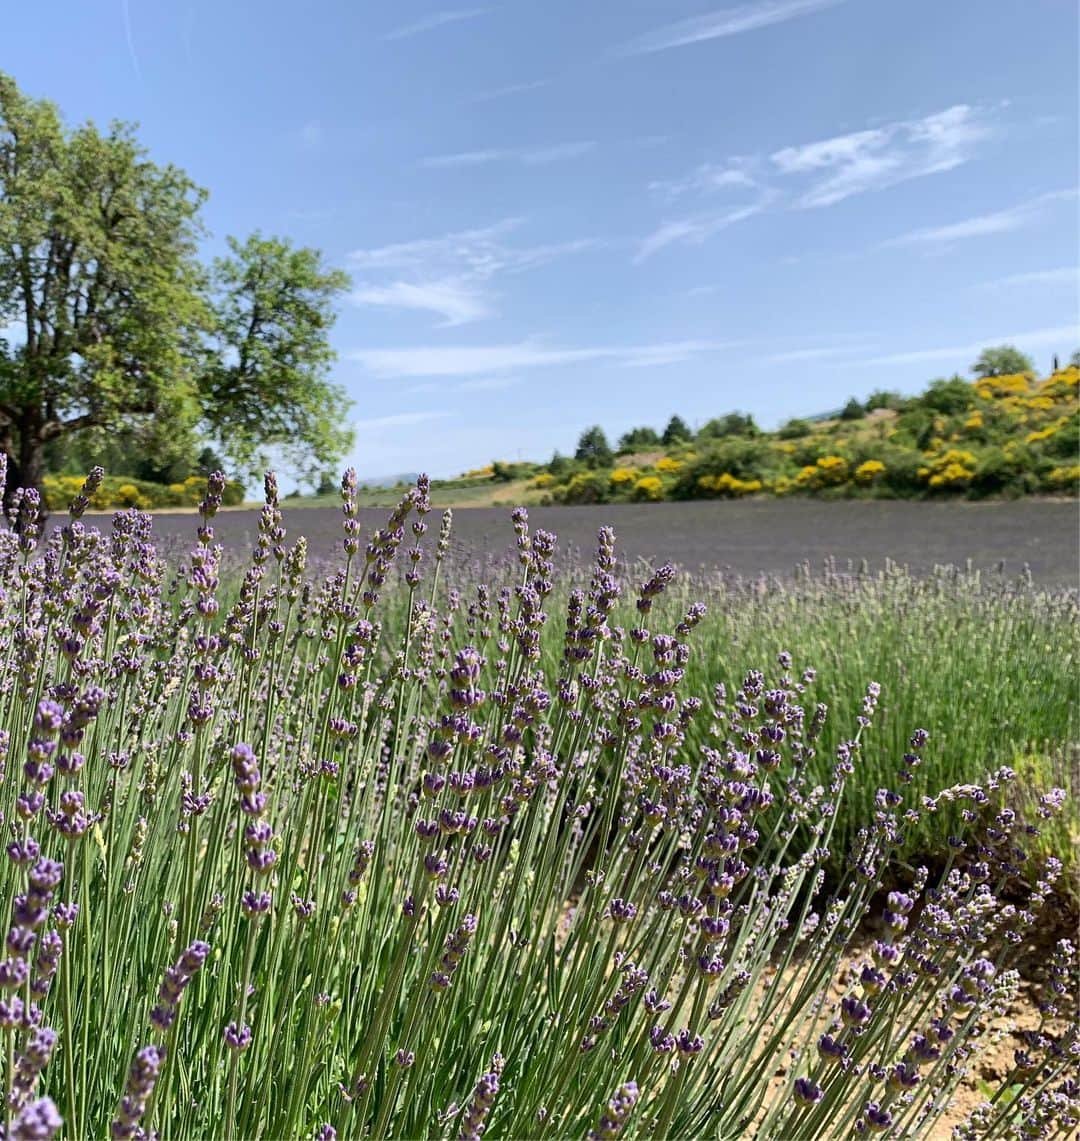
(650, 488)
(869, 472)
(668, 466)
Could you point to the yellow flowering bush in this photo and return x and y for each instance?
(544, 479)
(650, 488)
(668, 466)
(1051, 429)
(728, 484)
(1064, 476)
(998, 387)
(975, 420)
(829, 471)
(622, 476)
(950, 469)
(869, 472)
(480, 472)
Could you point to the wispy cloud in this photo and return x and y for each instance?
(455, 300)
(473, 384)
(523, 156)
(449, 275)
(844, 165)
(435, 20)
(480, 360)
(1017, 217)
(401, 420)
(724, 22)
(820, 173)
(698, 228)
(1063, 336)
(508, 90)
(824, 352)
(1065, 275)
(706, 179)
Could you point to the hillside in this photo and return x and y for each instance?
(1006, 435)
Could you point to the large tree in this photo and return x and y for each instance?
(1004, 360)
(113, 323)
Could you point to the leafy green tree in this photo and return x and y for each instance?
(118, 326)
(852, 410)
(638, 438)
(882, 398)
(733, 424)
(266, 385)
(559, 464)
(794, 429)
(593, 449)
(1005, 360)
(1074, 360)
(949, 397)
(676, 432)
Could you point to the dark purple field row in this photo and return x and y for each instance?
(750, 538)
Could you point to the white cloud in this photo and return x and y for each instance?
(883, 156)
(400, 420)
(826, 352)
(725, 22)
(1065, 275)
(984, 225)
(524, 156)
(822, 173)
(1062, 336)
(706, 179)
(509, 89)
(447, 275)
(696, 229)
(452, 299)
(435, 20)
(478, 360)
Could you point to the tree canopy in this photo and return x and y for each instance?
(676, 432)
(593, 449)
(116, 326)
(1004, 360)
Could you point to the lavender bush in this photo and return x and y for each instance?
(278, 867)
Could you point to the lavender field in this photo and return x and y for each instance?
(748, 538)
(412, 845)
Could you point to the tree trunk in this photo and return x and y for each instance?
(26, 463)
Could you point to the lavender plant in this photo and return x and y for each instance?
(370, 854)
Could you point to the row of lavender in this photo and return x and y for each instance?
(277, 868)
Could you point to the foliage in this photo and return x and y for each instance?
(593, 449)
(676, 432)
(265, 387)
(852, 410)
(999, 435)
(1005, 360)
(638, 439)
(123, 331)
(733, 424)
(342, 852)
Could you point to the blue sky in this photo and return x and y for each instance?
(562, 212)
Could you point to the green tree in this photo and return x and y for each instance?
(266, 385)
(118, 326)
(733, 424)
(593, 449)
(676, 432)
(949, 397)
(1005, 360)
(1074, 360)
(639, 438)
(794, 429)
(852, 410)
